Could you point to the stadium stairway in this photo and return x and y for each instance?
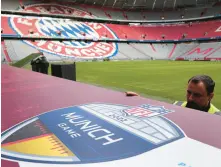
(3, 57)
(131, 52)
(141, 49)
(4, 53)
(12, 53)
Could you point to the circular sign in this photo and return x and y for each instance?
(66, 28)
(89, 133)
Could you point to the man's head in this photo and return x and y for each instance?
(200, 92)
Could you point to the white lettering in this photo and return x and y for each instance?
(55, 10)
(87, 52)
(95, 26)
(75, 117)
(40, 43)
(72, 116)
(102, 46)
(69, 114)
(218, 29)
(98, 51)
(57, 49)
(93, 136)
(65, 10)
(107, 137)
(50, 46)
(42, 9)
(93, 130)
(62, 124)
(29, 10)
(76, 13)
(97, 127)
(86, 124)
(54, 48)
(36, 34)
(24, 21)
(69, 131)
(75, 135)
(74, 52)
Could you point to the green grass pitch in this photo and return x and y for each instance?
(160, 80)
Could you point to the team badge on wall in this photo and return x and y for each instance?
(89, 133)
(49, 27)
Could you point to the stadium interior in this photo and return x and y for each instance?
(162, 29)
(109, 83)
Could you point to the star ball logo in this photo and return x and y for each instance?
(52, 27)
(90, 133)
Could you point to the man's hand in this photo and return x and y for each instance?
(131, 94)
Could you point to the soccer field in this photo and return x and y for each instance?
(161, 80)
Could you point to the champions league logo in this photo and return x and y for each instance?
(88, 133)
(45, 27)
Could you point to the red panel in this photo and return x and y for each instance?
(5, 26)
(5, 163)
(197, 30)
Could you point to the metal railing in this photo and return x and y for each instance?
(102, 20)
(33, 38)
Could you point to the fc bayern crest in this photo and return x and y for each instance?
(52, 27)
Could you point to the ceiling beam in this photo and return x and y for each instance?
(174, 4)
(104, 2)
(164, 3)
(114, 3)
(134, 3)
(154, 4)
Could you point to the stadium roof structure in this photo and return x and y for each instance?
(148, 4)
